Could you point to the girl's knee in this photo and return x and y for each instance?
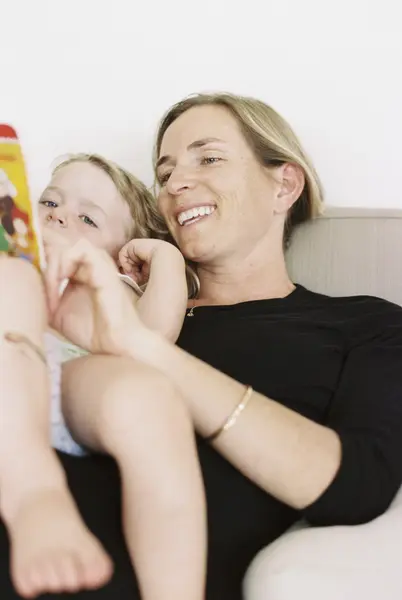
(22, 302)
(14, 265)
(131, 378)
(140, 393)
(19, 273)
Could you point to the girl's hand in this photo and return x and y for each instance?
(137, 257)
(91, 270)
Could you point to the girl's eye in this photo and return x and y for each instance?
(48, 203)
(88, 221)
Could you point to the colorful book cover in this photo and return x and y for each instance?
(19, 233)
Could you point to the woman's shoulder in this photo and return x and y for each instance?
(360, 316)
(359, 303)
(345, 301)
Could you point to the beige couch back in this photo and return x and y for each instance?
(350, 251)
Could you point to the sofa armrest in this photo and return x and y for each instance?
(335, 563)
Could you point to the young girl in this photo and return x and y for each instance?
(111, 403)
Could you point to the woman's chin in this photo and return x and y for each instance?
(200, 254)
(193, 239)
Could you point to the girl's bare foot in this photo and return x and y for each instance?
(51, 549)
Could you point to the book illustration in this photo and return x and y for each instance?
(18, 219)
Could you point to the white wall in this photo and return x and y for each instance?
(95, 75)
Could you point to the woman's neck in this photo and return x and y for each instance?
(231, 284)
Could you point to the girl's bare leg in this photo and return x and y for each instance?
(132, 412)
(51, 549)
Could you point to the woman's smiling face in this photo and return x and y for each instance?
(217, 199)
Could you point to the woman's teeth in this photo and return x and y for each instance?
(194, 213)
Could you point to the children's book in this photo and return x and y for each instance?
(19, 233)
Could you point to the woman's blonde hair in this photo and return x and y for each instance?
(146, 220)
(272, 140)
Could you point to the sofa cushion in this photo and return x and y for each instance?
(350, 251)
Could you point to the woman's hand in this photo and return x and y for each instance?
(92, 272)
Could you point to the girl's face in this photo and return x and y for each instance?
(81, 201)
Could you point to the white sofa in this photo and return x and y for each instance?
(345, 252)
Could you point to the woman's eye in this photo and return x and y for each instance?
(206, 160)
(209, 160)
(164, 178)
(88, 221)
(48, 203)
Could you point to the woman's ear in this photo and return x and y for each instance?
(291, 179)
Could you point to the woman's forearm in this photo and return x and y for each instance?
(287, 455)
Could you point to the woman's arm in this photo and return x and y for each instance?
(344, 473)
(289, 456)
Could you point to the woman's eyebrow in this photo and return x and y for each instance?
(204, 142)
(194, 145)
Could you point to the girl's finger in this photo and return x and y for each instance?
(128, 260)
(52, 280)
(52, 239)
(83, 263)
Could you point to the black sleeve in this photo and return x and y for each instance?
(366, 412)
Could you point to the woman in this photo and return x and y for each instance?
(320, 434)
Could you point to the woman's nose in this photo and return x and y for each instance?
(180, 181)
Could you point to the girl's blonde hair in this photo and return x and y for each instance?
(146, 220)
(272, 140)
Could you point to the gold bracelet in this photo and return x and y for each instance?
(231, 420)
